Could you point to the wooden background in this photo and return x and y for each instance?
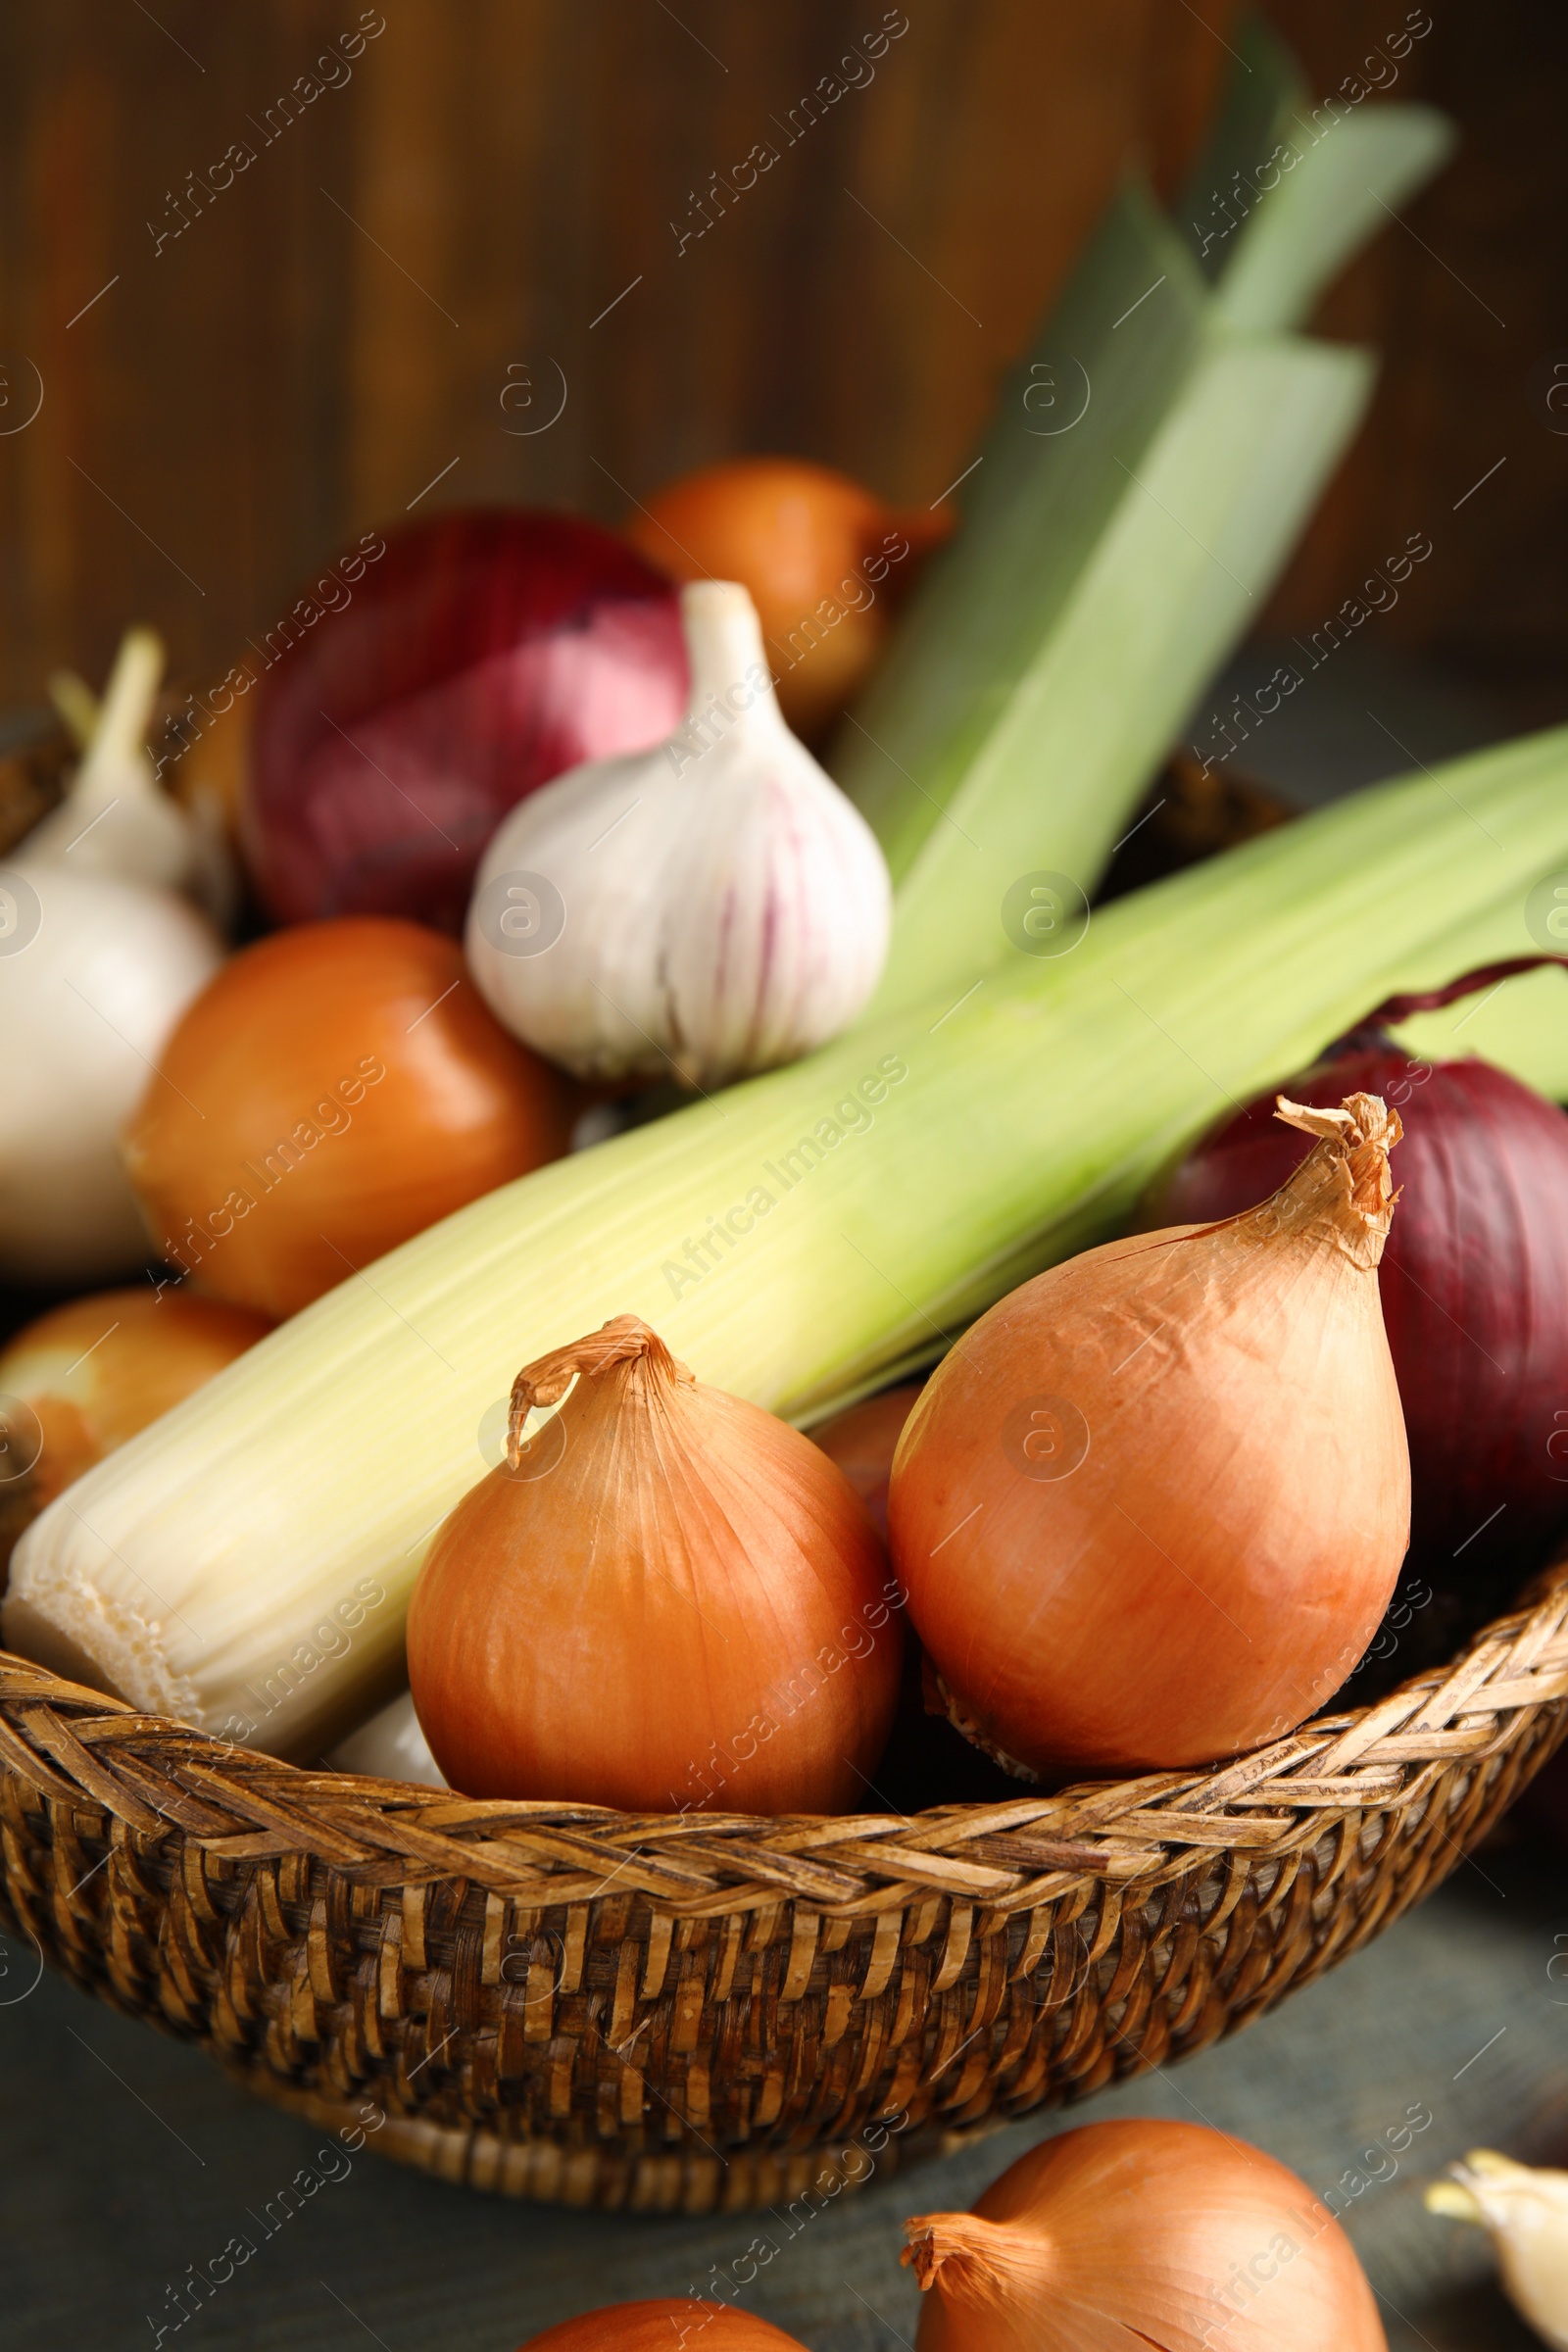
(335, 330)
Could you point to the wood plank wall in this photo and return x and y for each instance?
(334, 328)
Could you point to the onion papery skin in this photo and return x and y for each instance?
(271, 1159)
(863, 1441)
(673, 1602)
(1142, 2232)
(1140, 1534)
(99, 1369)
(818, 555)
(484, 653)
(1473, 1282)
(670, 2324)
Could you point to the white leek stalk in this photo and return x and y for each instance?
(1524, 2210)
(701, 911)
(245, 1563)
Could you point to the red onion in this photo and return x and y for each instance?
(1474, 1278)
(481, 655)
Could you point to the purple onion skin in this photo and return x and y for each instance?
(484, 653)
(1474, 1285)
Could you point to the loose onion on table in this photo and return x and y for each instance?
(1474, 1278)
(668, 2325)
(1152, 1508)
(1142, 2232)
(663, 1598)
(478, 655)
(337, 1089)
(95, 1371)
(827, 562)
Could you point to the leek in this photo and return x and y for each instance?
(1207, 517)
(1036, 503)
(1148, 468)
(245, 1563)
(1287, 191)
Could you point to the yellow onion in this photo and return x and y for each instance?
(671, 2324)
(1137, 2234)
(825, 561)
(1151, 1509)
(663, 1599)
(84, 1378)
(95, 1372)
(335, 1090)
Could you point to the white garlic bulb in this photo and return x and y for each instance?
(1525, 2211)
(116, 819)
(94, 973)
(98, 959)
(707, 909)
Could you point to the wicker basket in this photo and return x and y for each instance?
(675, 2014)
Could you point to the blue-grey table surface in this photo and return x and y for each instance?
(127, 2159)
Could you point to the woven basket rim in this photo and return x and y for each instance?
(155, 1774)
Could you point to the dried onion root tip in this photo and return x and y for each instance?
(939, 1700)
(664, 1599)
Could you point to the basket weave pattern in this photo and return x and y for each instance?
(677, 2013)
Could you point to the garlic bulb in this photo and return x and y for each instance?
(94, 973)
(115, 820)
(1525, 2212)
(705, 909)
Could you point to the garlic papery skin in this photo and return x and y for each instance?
(94, 973)
(1524, 2210)
(703, 910)
(116, 819)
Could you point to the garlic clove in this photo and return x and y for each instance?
(1524, 2210)
(116, 819)
(705, 909)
